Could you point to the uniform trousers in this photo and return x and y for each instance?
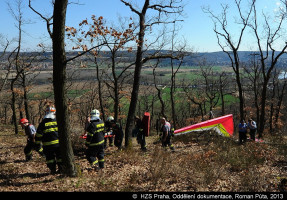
(53, 157)
(252, 134)
(242, 137)
(167, 142)
(31, 146)
(95, 154)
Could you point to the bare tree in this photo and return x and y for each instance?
(100, 86)
(59, 83)
(56, 27)
(266, 50)
(180, 50)
(229, 44)
(116, 43)
(198, 98)
(210, 88)
(27, 75)
(281, 93)
(17, 14)
(159, 90)
(163, 9)
(223, 89)
(114, 62)
(277, 90)
(253, 71)
(3, 53)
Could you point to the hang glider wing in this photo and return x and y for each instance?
(222, 125)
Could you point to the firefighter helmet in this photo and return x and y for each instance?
(110, 118)
(95, 113)
(50, 109)
(23, 121)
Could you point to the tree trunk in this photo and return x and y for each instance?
(222, 95)
(239, 84)
(279, 104)
(262, 113)
(172, 90)
(13, 103)
(99, 78)
(26, 104)
(59, 83)
(116, 87)
(159, 94)
(137, 74)
(13, 106)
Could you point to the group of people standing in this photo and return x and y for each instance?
(165, 136)
(243, 129)
(45, 139)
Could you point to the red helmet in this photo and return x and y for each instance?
(23, 121)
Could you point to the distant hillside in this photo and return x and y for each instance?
(193, 59)
(221, 58)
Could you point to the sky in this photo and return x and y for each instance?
(197, 27)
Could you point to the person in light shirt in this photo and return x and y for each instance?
(252, 127)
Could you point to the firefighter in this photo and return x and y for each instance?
(47, 134)
(139, 127)
(108, 132)
(95, 140)
(166, 134)
(117, 131)
(30, 132)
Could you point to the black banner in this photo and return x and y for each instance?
(203, 195)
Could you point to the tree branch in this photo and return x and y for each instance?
(48, 24)
(84, 52)
(131, 7)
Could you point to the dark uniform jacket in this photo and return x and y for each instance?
(95, 134)
(108, 126)
(118, 132)
(139, 126)
(47, 133)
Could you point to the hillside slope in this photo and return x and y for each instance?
(205, 163)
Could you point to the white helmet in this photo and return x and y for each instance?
(95, 114)
(110, 118)
(50, 109)
(50, 112)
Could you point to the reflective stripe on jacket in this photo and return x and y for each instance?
(95, 134)
(47, 132)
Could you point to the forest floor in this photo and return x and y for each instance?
(200, 163)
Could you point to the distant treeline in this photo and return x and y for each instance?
(191, 59)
